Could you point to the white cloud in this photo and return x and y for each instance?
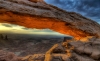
(20, 29)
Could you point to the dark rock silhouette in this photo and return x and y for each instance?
(1, 36)
(6, 37)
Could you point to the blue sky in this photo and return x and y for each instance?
(87, 8)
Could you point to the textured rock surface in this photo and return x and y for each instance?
(8, 56)
(34, 13)
(87, 51)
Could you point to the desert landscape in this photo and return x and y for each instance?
(83, 45)
(24, 44)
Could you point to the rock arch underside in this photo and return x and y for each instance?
(38, 14)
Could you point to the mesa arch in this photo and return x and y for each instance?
(41, 15)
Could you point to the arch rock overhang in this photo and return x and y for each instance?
(38, 14)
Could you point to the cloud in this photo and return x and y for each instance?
(88, 8)
(12, 28)
(24, 28)
(17, 27)
(7, 25)
(42, 30)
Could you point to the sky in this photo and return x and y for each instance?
(87, 8)
(12, 28)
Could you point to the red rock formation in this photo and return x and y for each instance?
(40, 15)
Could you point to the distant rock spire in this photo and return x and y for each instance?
(1, 36)
(6, 38)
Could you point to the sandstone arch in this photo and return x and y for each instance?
(41, 15)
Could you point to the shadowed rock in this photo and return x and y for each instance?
(89, 49)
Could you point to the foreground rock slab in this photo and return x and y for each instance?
(70, 50)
